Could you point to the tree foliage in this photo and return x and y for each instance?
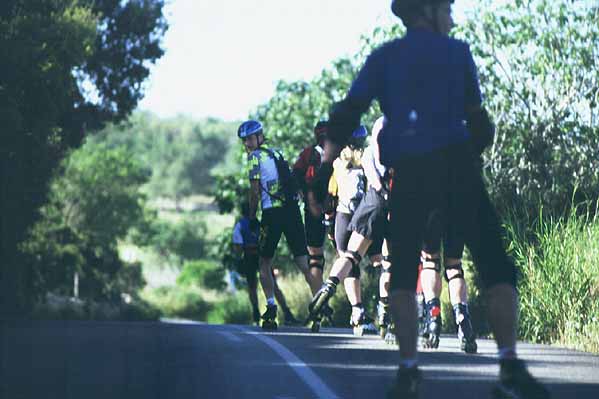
(68, 66)
(538, 62)
(182, 154)
(92, 204)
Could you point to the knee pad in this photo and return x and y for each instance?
(457, 267)
(316, 261)
(436, 264)
(355, 258)
(354, 272)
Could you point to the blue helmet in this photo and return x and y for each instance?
(248, 128)
(358, 137)
(360, 132)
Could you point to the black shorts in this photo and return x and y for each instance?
(282, 220)
(342, 233)
(446, 189)
(315, 230)
(453, 243)
(370, 218)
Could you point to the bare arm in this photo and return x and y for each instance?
(254, 197)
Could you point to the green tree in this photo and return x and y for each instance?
(93, 202)
(181, 153)
(67, 67)
(538, 70)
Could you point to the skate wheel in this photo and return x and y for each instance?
(358, 331)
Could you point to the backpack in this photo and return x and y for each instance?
(313, 164)
(289, 186)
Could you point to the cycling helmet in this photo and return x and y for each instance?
(320, 130)
(406, 10)
(248, 128)
(358, 137)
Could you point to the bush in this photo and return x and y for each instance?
(559, 282)
(202, 273)
(182, 302)
(232, 310)
(65, 308)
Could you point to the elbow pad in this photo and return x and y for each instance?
(344, 118)
(481, 129)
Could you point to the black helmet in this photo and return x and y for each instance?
(320, 130)
(408, 9)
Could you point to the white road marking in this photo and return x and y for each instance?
(230, 336)
(318, 386)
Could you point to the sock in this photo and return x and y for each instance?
(408, 363)
(270, 301)
(507, 352)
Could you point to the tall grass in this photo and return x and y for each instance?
(558, 259)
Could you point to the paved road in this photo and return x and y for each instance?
(193, 360)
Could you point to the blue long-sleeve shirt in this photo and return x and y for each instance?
(424, 83)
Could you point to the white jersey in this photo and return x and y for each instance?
(373, 169)
(351, 186)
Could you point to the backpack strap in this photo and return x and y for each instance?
(272, 154)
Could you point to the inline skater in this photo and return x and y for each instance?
(430, 279)
(304, 171)
(280, 214)
(427, 86)
(348, 185)
(245, 246)
(364, 231)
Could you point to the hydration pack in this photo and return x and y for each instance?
(289, 186)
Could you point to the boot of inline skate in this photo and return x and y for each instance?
(515, 382)
(432, 332)
(407, 384)
(269, 318)
(466, 334)
(321, 299)
(362, 323)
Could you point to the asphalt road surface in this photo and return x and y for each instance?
(173, 359)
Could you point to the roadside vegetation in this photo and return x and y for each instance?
(132, 220)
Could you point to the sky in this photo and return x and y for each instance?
(224, 57)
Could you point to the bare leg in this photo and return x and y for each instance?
(280, 296)
(316, 272)
(302, 263)
(353, 290)
(385, 278)
(252, 293)
(503, 317)
(403, 310)
(266, 279)
(458, 290)
(430, 279)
